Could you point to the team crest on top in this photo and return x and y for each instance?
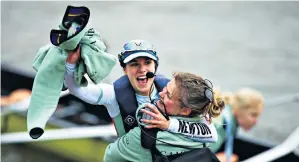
(138, 42)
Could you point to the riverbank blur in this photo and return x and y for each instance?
(23, 153)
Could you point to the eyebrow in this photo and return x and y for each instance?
(168, 94)
(134, 60)
(146, 59)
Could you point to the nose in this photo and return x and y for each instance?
(142, 68)
(162, 93)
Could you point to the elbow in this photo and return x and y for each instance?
(110, 154)
(71, 90)
(215, 136)
(215, 139)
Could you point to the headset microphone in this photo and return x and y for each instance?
(150, 75)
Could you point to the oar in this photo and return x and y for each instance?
(106, 132)
(289, 145)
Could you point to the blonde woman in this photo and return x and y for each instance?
(242, 109)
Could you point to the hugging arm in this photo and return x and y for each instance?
(201, 131)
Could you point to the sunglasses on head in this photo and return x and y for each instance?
(208, 92)
(125, 54)
(137, 45)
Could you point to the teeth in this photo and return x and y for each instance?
(143, 77)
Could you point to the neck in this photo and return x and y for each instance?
(142, 93)
(148, 93)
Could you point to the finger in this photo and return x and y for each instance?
(155, 116)
(155, 122)
(79, 48)
(69, 57)
(69, 53)
(74, 51)
(151, 126)
(150, 113)
(153, 108)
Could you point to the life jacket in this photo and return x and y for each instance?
(126, 98)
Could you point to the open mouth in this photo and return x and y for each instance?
(142, 80)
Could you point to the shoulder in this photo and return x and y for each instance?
(122, 80)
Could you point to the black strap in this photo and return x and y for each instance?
(157, 156)
(146, 141)
(150, 143)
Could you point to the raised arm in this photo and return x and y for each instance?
(90, 94)
(100, 94)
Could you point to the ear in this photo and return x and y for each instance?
(124, 70)
(186, 111)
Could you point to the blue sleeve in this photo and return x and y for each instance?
(229, 141)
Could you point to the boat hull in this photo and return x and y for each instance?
(86, 149)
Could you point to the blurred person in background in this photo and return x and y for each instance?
(186, 97)
(242, 109)
(17, 100)
(15, 96)
(137, 58)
